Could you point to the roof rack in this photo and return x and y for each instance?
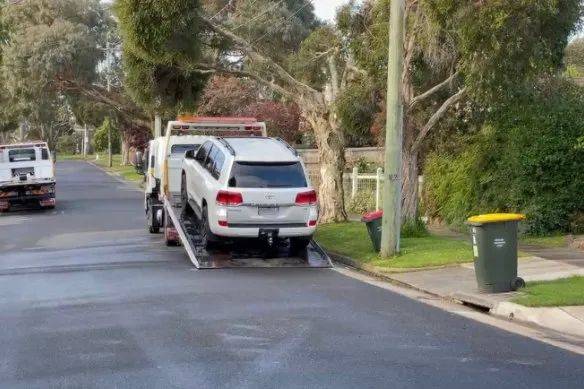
(227, 145)
(292, 149)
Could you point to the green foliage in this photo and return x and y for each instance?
(356, 109)
(100, 138)
(309, 64)
(67, 144)
(161, 44)
(278, 29)
(50, 41)
(414, 228)
(525, 159)
(574, 58)
(363, 202)
(502, 43)
(363, 165)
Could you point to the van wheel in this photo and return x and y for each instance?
(299, 244)
(207, 237)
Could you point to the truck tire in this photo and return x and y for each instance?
(150, 219)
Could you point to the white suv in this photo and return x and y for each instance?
(249, 188)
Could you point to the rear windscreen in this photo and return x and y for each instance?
(267, 175)
(21, 155)
(181, 149)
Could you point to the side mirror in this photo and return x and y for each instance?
(190, 154)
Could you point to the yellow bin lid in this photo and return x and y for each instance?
(496, 218)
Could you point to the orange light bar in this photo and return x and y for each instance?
(217, 119)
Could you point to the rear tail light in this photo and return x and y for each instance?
(311, 223)
(226, 198)
(306, 198)
(222, 223)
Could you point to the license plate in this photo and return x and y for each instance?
(267, 211)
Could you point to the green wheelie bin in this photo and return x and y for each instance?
(373, 222)
(494, 242)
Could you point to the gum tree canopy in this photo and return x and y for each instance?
(51, 55)
(454, 50)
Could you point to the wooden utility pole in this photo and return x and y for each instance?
(391, 223)
(109, 87)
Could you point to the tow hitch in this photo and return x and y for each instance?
(269, 236)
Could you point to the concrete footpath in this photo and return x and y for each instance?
(458, 283)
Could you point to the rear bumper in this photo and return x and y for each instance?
(254, 232)
(26, 194)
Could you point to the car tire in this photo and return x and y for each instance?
(207, 236)
(300, 243)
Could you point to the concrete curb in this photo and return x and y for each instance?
(554, 318)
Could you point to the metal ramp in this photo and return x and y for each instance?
(244, 254)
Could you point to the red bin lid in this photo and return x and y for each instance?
(370, 216)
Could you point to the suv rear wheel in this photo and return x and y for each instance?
(300, 243)
(207, 237)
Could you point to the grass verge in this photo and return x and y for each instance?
(352, 240)
(563, 292)
(544, 241)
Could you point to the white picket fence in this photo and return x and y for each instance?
(355, 183)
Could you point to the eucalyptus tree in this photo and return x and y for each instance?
(454, 50)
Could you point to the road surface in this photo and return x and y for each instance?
(89, 299)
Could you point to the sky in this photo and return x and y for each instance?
(326, 9)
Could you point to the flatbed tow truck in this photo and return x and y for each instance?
(181, 228)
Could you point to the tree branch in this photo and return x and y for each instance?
(205, 69)
(436, 117)
(255, 55)
(432, 90)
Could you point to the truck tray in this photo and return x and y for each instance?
(243, 254)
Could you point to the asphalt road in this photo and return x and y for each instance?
(89, 299)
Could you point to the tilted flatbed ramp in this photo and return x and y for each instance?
(250, 254)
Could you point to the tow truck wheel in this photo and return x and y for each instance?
(150, 219)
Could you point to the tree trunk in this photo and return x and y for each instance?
(409, 184)
(331, 151)
(125, 153)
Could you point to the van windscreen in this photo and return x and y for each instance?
(267, 175)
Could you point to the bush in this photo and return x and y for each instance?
(67, 144)
(100, 138)
(414, 228)
(525, 159)
(363, 202)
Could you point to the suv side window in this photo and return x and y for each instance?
(203, 152)
(209, 164)
(44, 154)
(219, 160)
